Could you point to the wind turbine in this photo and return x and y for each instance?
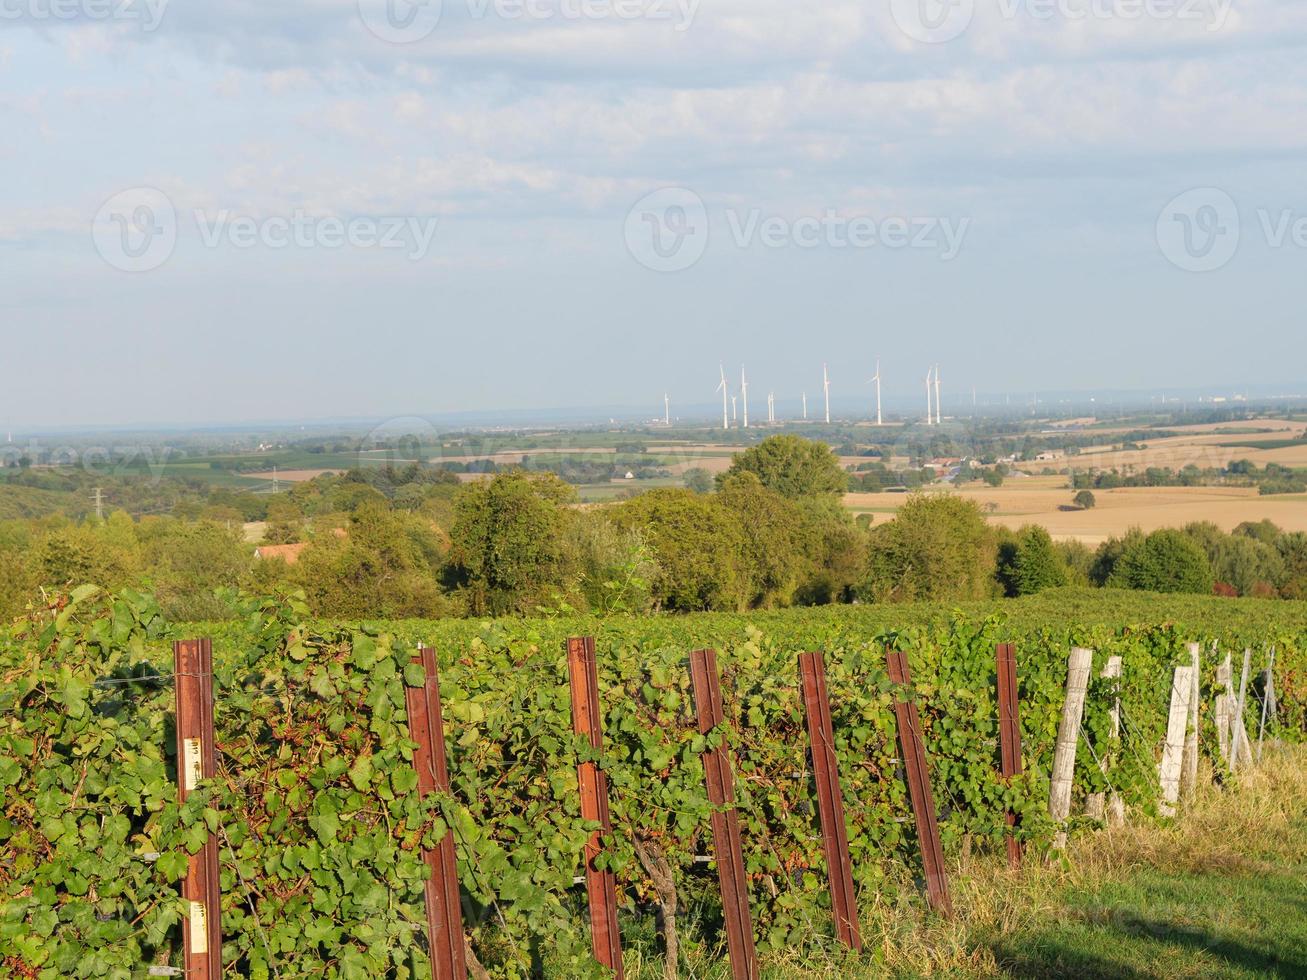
(876, 381)
(744, 392)
(930, 409)
(667, 410)
(726, 422)
(825, 383)
(939, 410)
(805, 406)
(771, 406)
(735, 415)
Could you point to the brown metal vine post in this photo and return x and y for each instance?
(600, 885)
(196, 760)
(720, 781)
(830, 801)
(1009, 732)
(444, 910)
(923, 799)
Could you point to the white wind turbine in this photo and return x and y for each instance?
(735, 414)
(667, 409)
(805, 406)
(939, 410)
(876, 381)
(771, 406)
(744, 394)
(726, 394)
(930, 408)
(825, 384)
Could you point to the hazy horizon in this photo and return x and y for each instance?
(317, 208)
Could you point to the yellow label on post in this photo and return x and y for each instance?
(192, 763)
(199, 924)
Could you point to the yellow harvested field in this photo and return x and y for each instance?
(1039, 500)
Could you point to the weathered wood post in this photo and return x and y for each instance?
(1099, 805)
(1239, 747)
(1176, 728)
(1189, 778)
(1068, 735)
(1224, 709)
(1268, 696)
(197, 760)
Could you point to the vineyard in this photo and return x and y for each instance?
(320, 827)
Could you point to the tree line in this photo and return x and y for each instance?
(769, 532)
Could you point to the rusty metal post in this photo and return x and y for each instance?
(444, 909)
(1009, 733)
(917, 768)
(196, 760)
(830, 801)
(600, 885)
(720, 780)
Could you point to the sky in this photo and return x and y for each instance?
(225, 210)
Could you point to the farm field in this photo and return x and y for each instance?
(1040, 499)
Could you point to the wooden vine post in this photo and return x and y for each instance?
(1176, 727)
(1239, 747)
(1068, 736)
(600, 884)
(197, 760)
(1224, 707)
(720, 781)
(444, 908)
(1189, 780)
(1009, 733)
(1097, 804)
(917, 767)
(830, 801)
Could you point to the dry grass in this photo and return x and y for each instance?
(1245, 832)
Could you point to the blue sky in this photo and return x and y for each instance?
(568, 202)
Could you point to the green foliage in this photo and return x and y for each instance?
(1029, 562)
(507, 541)
(702, 553)
(793, 466)
(938, 547)
(320, 827)
(1085, 500)
(1164, 561)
